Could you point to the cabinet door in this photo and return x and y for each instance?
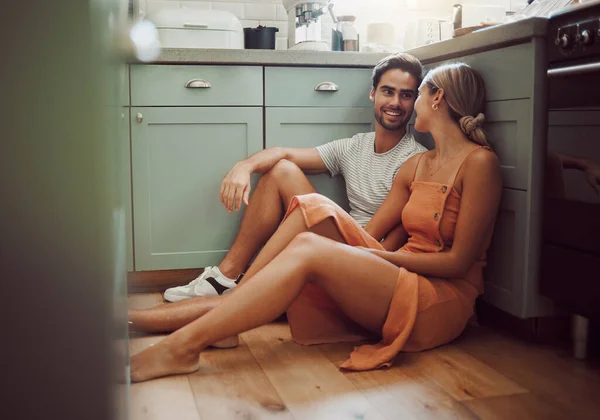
(505, 269)
(179, 158)
(125, 180)
(509, 126)
(511, 279)
(311, 127)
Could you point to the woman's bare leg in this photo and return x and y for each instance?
(360, 283)
(172, 316)
(289, 229)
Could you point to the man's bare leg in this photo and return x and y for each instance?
(168, 318)
(263, 215)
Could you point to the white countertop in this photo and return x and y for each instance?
(482, 40)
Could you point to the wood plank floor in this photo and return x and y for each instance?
(482, 375)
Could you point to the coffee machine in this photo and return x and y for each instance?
(304, 29)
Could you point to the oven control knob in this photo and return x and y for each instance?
(564, 41)
(586, 37)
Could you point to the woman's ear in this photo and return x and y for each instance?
(438, 96)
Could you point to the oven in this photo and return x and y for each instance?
(570, 257)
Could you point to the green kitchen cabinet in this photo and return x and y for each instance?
(311, 127)
(125, 175)
(516, 123)
(179, 158)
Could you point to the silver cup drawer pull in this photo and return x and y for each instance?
(197, 84)
(327, 87)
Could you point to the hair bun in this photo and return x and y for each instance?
(469, 123)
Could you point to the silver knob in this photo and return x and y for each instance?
(586, 37)
(139, 117)
(564, 41)
(327, 87)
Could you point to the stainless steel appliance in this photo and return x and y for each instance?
(304, 28)
(570, 266)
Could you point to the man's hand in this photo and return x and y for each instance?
(235, 187)
(592, 175)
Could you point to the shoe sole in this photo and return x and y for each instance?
(177, 298)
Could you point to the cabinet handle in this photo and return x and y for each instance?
(139, 117)
(327, 87)
(570, 70)
(197, 84)
(195, 25)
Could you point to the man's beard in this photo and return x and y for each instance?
(394, 126)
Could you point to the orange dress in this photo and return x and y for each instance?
(425, 312)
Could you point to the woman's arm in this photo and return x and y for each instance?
(395, 238)
(389, 215)
(480, 198)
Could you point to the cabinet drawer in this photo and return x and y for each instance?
(162, 85)
(290, 86)
(508, 72)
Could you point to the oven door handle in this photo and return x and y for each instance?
(578, 69)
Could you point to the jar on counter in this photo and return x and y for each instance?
(348, 32)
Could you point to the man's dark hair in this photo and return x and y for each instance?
(402, 61)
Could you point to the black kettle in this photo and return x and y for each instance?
(260, 38)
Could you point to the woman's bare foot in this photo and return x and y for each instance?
(161, 360)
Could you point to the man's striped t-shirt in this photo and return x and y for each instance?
(368, 175)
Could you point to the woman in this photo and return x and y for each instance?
(416, 298)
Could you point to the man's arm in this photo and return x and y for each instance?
(307, 159)
(235, 187)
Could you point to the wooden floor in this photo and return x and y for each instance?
(483, 374)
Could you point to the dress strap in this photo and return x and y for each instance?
(417, 165)
(464, 160)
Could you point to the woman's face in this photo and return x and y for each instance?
(423, 108)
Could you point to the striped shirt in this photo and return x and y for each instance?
(368, 175)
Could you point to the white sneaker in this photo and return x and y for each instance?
(210, 283)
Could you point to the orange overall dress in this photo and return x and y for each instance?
(425, 312)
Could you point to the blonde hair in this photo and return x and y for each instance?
(464, 92)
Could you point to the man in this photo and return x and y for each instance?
(368, 161)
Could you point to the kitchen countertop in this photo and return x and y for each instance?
(486, 39)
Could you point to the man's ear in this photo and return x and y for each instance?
(372, 95)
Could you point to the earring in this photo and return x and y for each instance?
(434, 107)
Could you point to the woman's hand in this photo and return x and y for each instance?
(369, 250)
(235, 187)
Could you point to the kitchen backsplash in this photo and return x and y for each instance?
(253, 13)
